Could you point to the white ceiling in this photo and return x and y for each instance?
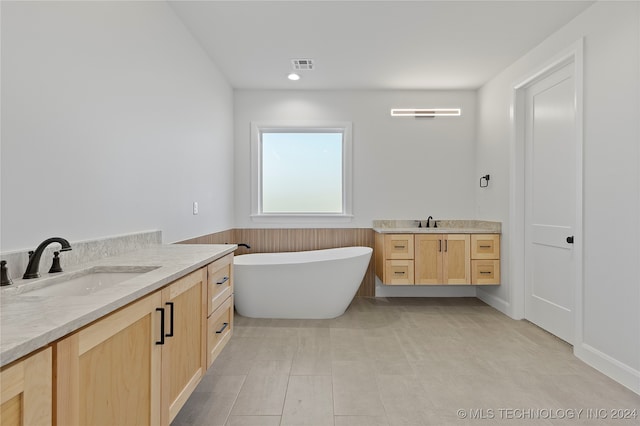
(371, 44)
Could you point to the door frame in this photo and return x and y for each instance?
(571, 55)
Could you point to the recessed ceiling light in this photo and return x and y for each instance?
(293, 76)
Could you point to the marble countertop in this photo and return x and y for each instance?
(438, 230)
(28, 323)
(445, 226)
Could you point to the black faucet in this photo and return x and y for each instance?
(428, 219)
(34, 257)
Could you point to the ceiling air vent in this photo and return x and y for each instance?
(302, 64)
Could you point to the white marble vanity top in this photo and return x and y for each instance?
(438, 230)
(444, 227)
(28, 323)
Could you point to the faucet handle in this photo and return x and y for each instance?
(55, 266)
(5, 279)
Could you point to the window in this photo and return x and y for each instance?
(301, 171)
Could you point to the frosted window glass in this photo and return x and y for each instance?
(302, 172)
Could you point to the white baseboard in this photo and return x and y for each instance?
(618, 371)
(495, 302)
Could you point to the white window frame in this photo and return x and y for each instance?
(257, 128)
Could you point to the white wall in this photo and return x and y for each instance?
(113, 121)
(403, 168)
(611, 191)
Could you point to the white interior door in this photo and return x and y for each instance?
(550, 202)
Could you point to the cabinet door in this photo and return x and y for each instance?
(398, 246)
(109, 372)
(26, 391)
(184, 353)
(457, 259)
(428, 259)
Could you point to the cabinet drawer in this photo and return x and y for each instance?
(398, 246)
(485, 246)
(219, 282)
(399, 272)
(485, 272)
(219, 328)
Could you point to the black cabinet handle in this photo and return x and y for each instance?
(485, 272)
(399, 273)
(224, 280)
(570, 240)
(161, 341)
(485, 246)
(439, 245)
(170, 333)
(398, 247)
(223, 327)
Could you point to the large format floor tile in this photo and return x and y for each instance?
(402, 361)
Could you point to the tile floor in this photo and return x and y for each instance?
(403, 361)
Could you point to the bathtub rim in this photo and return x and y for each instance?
(300, 257)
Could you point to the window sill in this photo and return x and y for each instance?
(302, 218)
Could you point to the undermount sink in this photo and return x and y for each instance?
(87, 282)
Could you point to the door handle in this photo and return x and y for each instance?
(570, 240)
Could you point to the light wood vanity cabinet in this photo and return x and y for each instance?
(220, 306)
(485, 259)
(110, 371)
(437, 259)
(442, 259)
(26, 390)
(394, 258)
(140, 364)
(184, 353)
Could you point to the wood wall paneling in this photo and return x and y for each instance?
(264, 240)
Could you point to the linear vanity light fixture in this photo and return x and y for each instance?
(426, 112)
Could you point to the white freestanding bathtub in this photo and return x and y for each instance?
(307, 284)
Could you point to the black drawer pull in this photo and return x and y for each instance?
(161, 341)
(485, 246)
(223, 327)
(399, 273)
(170, 333)
(439, 245)
(224, 280)
(485, 272)
(399, 247)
